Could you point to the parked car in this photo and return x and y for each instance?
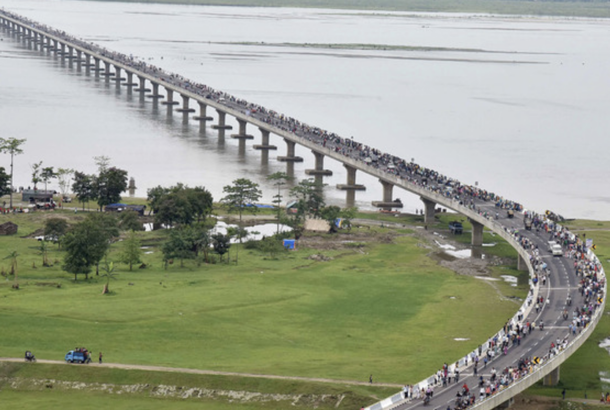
(456, 227)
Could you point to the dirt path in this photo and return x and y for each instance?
(209, 372)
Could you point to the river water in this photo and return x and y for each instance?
(519, 105)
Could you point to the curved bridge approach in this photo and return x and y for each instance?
(566, 291)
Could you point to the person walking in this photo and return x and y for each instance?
(100, 357)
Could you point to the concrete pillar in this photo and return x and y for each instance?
(88, 61)
(264, 146)
(62, 47)
(97, 65)
(429, 210)
(185, 105)
(290, 150)
(221, 121)
(521, 265)
(477, 233)
(155, 92)
(387, 201)
(129, 82)
(242, 135)
(551, 379)
(170, 97)
(79, 56)
(107, 69)
(117, 74)
(319, 166)
(142, 88)
(69, 52)
(351, 180)
(203, 117)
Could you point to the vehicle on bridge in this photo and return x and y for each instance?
(510, 213)
(527, 223)
(556, 250)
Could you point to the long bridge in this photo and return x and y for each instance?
(566, 293)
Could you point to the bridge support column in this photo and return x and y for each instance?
(551, 379)
(117, 74)
(170, 97)
(142, 88)
(290, 157)
(129, 82)
(222, 125)
(107, 72)
(69, 53)
(429, 210)
(521, 265)
(387, 201)
(242, 136)
(185, 109)
(318, 170)
(97, 68)
(62, 47)
(264, 146)
(477, 233)
(508, 403)
(351, 180)
(203, 117)
(155, 92)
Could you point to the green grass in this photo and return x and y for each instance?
(292, 316)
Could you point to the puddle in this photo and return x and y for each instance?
(487, 278)
(256, 232)
(510, 279)
(461, 339)
(489, 245)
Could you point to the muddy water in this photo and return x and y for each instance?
(519, 105)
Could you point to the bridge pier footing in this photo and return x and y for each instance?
(387, 202)
(290, 151)
(264, 145)
(508, 403)
(319, 167)
(351, 181)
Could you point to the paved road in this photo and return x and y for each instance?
(561, 282)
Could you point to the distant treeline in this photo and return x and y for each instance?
(568, 8)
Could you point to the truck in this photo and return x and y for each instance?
(527, 222)
(456, 227)
(74, 356)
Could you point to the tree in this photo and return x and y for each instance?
(186, 242)
(44, 252)
(280, 179)
(11, 146)
(46, 175)
(64, 179)
(87, 243)
(180, 204)
(221, 244)
(5, 182)
(109, 269)
(102, 162)
(56, 228)
(132, 250)
(13, 257)
(309, 196)
(83, 187)
(129, 221)
(36, 173)
(241, 195)
(108, 186)
(330, 215)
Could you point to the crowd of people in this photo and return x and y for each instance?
(588, 269)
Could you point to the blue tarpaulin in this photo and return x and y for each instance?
(289, 243)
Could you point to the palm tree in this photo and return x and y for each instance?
(109, 268)
(13, 257)
(11, 146)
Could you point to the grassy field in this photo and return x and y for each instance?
(595, 8)
(383, 307)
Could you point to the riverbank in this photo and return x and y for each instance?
(598, 9)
